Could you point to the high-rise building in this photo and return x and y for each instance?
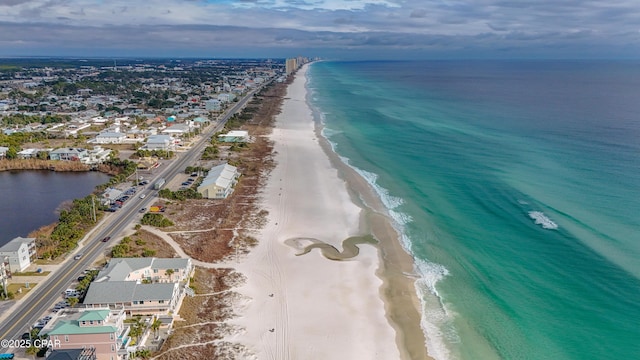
(291, 65)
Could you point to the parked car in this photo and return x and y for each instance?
(26, 336)
(186, 183)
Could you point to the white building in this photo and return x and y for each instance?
(226, 97)
(212, 105)
(219, 182)
(21, 251)
(177, 129)
(110, 138)
(160, 142)
(234, 136)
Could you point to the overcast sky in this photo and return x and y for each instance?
(336, 29)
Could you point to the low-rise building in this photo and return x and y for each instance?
(72, 154)
(234, 136)
(134, 297)
(100, 329)
(110, 138)
(160, 142)
(20, 253)
(219, 182)
(156, 270)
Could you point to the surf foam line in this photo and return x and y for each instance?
(541, 219)
(436, 321)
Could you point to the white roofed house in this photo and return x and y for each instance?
(160, 142)
(3, 151)
(110, 138)
(20, 251)
(234, 136)
(219, 182)
(140, 285)
(177, 130)
(68, 154)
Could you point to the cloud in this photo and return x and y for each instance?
(418, 13)
(324, 26)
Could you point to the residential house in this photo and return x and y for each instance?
(68, 154)
(219, 182)
(136, 298)
(160, 142)
(177, 130)
(140, 285)
(3, 151)
(212, 105)
(110, 138)
(100, 329)
(72, 354)
(147, 269)
(20, 251)
(234, 136)
(227, 97)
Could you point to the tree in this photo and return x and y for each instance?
(143, 354)
(73, 301)
(32, 350)
(155, 326)
(169, 273)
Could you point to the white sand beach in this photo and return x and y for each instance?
(310, 307)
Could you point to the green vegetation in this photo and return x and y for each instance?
(83, 285)
(22, 119)
(210, 152)
(180, 194)
(72, 226)
(195, 169)
(157, 220)
(155, 153)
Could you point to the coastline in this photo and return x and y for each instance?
(301, 303)
(402, 305)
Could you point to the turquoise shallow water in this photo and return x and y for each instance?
(516, 186)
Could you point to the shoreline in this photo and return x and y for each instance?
(402, 305)
(301, 303)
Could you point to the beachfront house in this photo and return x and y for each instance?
(234, 136)
(219, 182)
(72, 354)
(134, 297)
(153, 269)
(141, 286)
(101, 329)
(20, 251)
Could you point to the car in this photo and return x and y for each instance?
(142, 210)
(26, 336)
(194, 174)
(47, 318)
(142, 196)
(78, 257)
(81, 277)
(106, 238)
(186, 183)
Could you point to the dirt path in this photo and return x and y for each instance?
(165, 236)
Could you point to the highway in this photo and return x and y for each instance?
(46, 294)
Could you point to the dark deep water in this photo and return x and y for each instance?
(30, 199)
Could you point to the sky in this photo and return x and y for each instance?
(331, 29)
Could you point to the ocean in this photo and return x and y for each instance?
(516, 186)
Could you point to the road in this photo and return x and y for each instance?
(45, 294)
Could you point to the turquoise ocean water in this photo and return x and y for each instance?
(516, 186)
